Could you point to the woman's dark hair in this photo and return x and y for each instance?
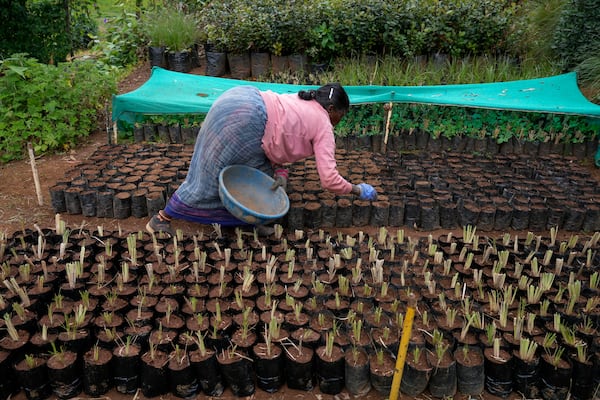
(331, 94)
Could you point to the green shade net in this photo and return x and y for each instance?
(168, 92)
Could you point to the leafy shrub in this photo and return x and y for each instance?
(123, 42)
(83, 25)
(39, 28)
(577, 35)
(46, 37)
(291, 26)
(13, 15)
(49, 106)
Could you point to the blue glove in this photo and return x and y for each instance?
(367, 192)
(281, 177)
(280, 181)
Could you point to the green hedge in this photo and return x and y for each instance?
(577, 35)
(344, 28)
(39, 28)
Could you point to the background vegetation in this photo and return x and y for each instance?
(362, 41)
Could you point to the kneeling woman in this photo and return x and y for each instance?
(264, 130)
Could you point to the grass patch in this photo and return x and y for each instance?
(397, 72)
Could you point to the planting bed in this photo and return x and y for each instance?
(20, 213)
(192, 315)
(427, 190)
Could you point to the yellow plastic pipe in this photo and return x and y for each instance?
(402, 350)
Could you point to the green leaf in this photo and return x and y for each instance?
(18, 70)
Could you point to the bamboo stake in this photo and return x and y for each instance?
(115, 133)
(36, 178)
(388, 108)
(402, 350)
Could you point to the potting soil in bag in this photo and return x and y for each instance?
(239, 65)
(498, 377)
(442, 382)
(179, 61)
(269, 372)
(104, 205)
(381, 383)
(299, 375)
(34, 382)
(66, 382)
(125, 372)
(209, 375)
(330, 375)
(238, 375)
(88, 200)
(157, 56)
(526, 377)
(57, 198)
(260, 63)
(154, 376)
(357, 377)
(555, 381)
(97, 379)
(8, 383)
(470, 380)
(216, 63)
(582, 380)
(414, 381)
(182, 381)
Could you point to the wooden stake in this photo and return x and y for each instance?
(388, 109)
(115, 133)
(402, 350)
(36, 178)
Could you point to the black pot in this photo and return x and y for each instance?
(358, 382)
(470, 377)
(157, 56)
(179, 61)
(414, 380)
(216, 63)
(555, 379)
(154, 375)
(182, 376)
(238, 374)
(526, 377)
(299, 374)
(208, 372)
(65, 375)
(582, 380)
(442, 382)
(126, 369)
(97, 376)
(498, 374)
(330, 373)
(268, 369)
(34, 381)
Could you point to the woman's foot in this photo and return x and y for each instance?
(159, 223)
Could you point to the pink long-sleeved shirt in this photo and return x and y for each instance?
(297, 129)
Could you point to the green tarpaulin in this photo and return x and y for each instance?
(168, 92)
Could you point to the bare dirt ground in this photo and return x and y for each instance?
(19, 209)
